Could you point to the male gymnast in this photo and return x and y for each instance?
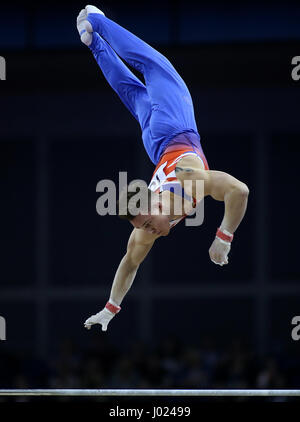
(164, 109)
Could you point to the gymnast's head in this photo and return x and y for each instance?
(143, 209)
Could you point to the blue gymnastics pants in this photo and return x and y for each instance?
(163, 107)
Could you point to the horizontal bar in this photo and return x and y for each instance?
(148, 392)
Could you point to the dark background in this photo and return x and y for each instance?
(62, 129)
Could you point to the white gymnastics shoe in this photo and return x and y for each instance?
(93, 9)
(84, 28)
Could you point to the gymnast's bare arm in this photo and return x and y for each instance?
(220, 186)
(139, 244)
(138, 247)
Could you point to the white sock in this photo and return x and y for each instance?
(93, 9)
(84, 27)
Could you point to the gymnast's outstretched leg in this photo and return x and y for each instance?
(129, 88)
(169, 96)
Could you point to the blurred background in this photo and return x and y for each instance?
(186, 323)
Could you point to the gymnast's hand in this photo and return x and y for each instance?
(103, 318)
(218, 252)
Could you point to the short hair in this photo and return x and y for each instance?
(126, 195)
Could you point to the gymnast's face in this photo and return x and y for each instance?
(151, 223)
